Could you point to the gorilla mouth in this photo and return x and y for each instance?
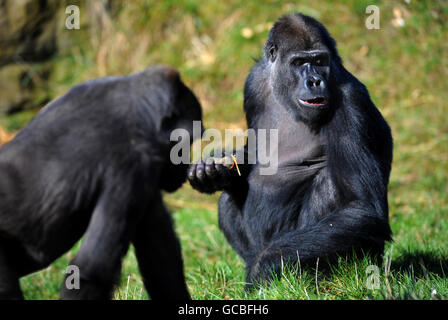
(315, 101)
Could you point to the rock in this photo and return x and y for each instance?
(28, 30)
(13, 87)
(22, 86)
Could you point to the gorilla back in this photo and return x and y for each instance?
(329, 195)
(93, 162)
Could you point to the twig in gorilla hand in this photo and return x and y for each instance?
(229, 162)
(94, 162)
(235, 164)
(329, 195)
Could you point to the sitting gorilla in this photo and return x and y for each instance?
(328, 197)
(94, 162)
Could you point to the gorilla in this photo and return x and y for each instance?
(93, 162)
(328, 198)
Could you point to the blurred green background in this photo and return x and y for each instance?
(214, 43)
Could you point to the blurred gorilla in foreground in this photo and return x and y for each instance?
(94, 162)
(329, 195)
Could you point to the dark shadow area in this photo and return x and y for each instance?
(421, 263)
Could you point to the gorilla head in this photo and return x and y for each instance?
(301, 55)
(181, 108)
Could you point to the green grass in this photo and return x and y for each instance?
(214, 271)
(405, 70)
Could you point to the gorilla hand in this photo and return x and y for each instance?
(212, 174)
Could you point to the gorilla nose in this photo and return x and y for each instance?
(313, 82)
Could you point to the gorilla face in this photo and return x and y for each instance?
(299, 72)
(300, 82)
(311, 70)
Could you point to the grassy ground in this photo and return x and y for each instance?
(213, 44)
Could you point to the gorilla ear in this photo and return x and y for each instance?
(272, 52)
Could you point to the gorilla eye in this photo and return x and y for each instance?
(321, 61)
(298, 62)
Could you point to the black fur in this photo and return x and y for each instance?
(329, 196)
(94, 162)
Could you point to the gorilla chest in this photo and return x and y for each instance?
(297, 156)
(288, 186)
(278, 203)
